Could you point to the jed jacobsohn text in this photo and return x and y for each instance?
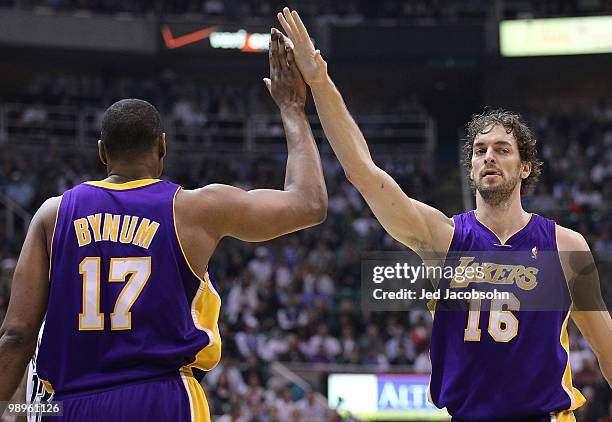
(412, 273)
(406, 294)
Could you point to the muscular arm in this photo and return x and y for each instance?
(416, 225)
(413, 223)
(28, 302)
(589, 310)
(264, 214)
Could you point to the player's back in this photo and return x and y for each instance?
(124, 305)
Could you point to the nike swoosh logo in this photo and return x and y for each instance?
(186, 39)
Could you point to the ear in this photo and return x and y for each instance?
(162, 145)
(525, 170)
(102, 152)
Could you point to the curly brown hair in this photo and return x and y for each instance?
(512, 122)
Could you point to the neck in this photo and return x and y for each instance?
(505, 218)
(126, 173)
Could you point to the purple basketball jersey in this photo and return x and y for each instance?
(504, 364)
(124, 304)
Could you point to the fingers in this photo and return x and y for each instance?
(284, 40)
(318, 56)
(300, 25)
(287, 40)
(282, 51)
(292, 66)
(291, 23)
(273, 54)
(279, 50)
(285, 24)
(290, 57)
(271, 60)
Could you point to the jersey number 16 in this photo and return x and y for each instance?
(503, 325)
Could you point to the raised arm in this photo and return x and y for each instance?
(589, 310)
(264, 214)
(416, 225)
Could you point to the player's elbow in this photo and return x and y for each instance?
(316, 210)
(319, 212)
(605, 364)
(360, 178)
(18, 338)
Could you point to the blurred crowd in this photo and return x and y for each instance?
(351, 12)
(576, 182)
(188, 101)
(297, 299)
(67, 108)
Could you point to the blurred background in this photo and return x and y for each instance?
(297, 344)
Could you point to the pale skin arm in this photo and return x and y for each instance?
(589, 313)
(415, 224)
(28, 302)
(264, 214)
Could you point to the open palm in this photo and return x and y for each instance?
(309, 61)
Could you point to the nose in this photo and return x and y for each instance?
(489, 156)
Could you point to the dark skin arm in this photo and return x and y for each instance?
(20, 395)
(206, 215)
(28, 303)
(203, 217)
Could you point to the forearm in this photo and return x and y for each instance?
(605, 364)
(304, 174)
(340, 128)
(595, 326)
(15, 352)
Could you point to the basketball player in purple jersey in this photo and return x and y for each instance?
(485, 365)
(119, 267)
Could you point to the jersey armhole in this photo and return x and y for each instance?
(53, 236)
(452, 237)
(178, 239)
(431, 304)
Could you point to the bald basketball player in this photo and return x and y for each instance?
(486, 366)
(119, 267)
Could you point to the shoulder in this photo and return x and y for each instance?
(209, 196)
(47, 212)
(211, 206)
(44, 220)
(569, 240)
(51, 204)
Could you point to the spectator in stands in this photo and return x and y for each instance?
(310, 409)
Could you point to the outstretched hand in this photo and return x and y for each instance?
(285, 84)
(309, 61)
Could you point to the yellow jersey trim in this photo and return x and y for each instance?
(53, 236)
(576, 398)
(496, 235)
(198, 405)
(205, 309)
(123, 186)
(178, 238)
(567, 282)
(451, 239)
(564, 416)
(431, 304)
(47, 386)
